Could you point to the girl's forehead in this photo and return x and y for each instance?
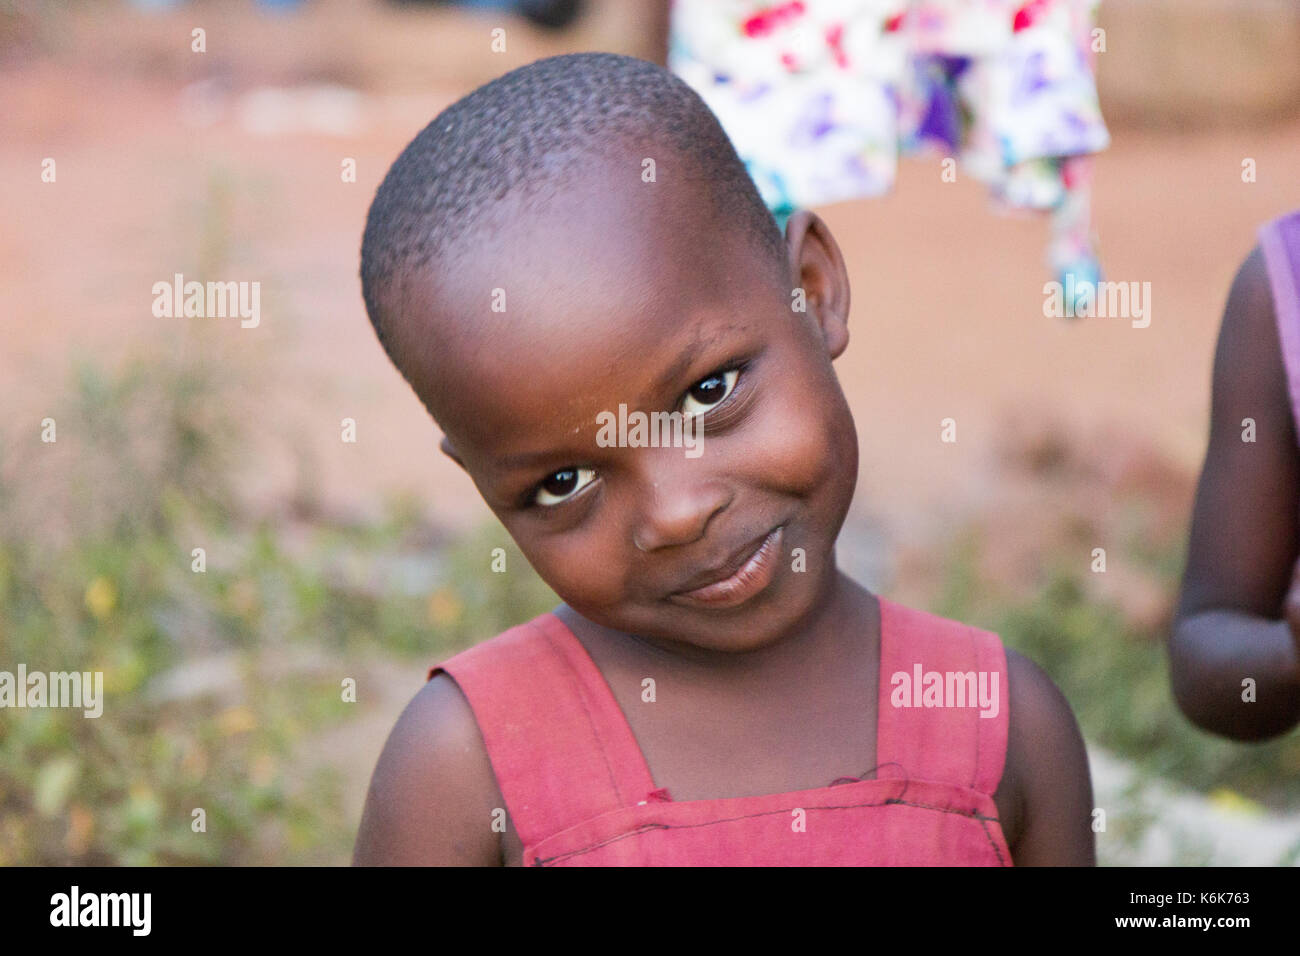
(608, 238)
(590, 297)
(562, 373)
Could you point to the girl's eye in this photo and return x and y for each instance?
(708, 392)
(562, 485)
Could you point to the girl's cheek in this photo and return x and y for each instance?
(583, 572)
(797, 441)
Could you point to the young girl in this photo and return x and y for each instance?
(1235, 663)
(577, 240)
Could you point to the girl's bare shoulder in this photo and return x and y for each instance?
(1045, 797)
(433, 793)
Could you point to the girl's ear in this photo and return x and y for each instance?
(450, 452)
(817, 265)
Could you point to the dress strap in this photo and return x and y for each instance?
(1279, 241)
(559, 745)
(943, 702)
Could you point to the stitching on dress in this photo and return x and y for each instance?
(992, 842)
(866, 775)
(646, 827)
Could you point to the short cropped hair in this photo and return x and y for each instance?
(511, 137)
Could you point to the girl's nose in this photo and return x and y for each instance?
(680, 501)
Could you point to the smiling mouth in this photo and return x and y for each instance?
(733, 587)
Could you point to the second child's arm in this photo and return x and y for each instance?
(1230, 624)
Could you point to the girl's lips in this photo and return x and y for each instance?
(754, 575)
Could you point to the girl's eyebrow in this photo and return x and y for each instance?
(526, 459)
(685, 359)
(678, 367)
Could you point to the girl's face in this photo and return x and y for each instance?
(667, 315)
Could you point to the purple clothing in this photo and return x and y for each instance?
(1280, 242)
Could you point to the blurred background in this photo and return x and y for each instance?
(328, 560)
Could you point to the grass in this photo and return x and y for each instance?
(223, 633)
(99, 571)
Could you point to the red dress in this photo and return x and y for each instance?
(580, 793)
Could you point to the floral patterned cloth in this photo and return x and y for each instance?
(821, 96)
